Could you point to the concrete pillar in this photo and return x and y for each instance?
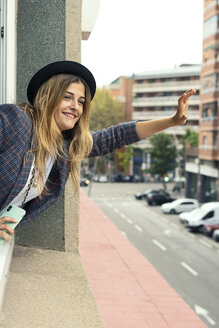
(48, 31)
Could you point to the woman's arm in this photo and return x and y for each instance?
(146, 129)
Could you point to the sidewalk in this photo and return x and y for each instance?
(129, 292)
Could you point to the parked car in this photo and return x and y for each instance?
(84, 182)
(102, 178)
(158, 197)
(180, 205)
(143, 194)
(185, 215)
(209, 229)
(207, 214)
(138, 178)
(216, 235)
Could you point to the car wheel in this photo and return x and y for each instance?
(172, 211)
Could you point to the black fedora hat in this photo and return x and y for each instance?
(59, 67)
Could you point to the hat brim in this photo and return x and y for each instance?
(60, 67)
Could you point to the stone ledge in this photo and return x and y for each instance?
(48, 289)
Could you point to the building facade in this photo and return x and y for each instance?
(202, 172)
(155, 95)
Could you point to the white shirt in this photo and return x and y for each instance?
(33, 192)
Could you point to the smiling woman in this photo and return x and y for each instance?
(71, 107)
(42, 141)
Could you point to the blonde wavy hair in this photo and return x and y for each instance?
(47, 137)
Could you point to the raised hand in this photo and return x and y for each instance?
(183, 104)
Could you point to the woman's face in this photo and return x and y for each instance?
(71, 106)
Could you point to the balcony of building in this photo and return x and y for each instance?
(161, 101)
(166, 86)
(209, 123)
(209, 152)
(151, 115)
(210, 8)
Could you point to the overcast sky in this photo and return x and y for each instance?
(132, 36)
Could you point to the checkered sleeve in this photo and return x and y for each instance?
(115, 137)
(1, 132)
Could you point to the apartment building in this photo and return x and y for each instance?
(155, 95)
(202, 172)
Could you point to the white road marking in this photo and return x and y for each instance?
(122, 215)
(167, 232)
(123, 233)
(108, 204)
(116, 210)
(205, 243)
(138, 228)
(188, 268)
(201, 311)
(129, 221)
(158, 244)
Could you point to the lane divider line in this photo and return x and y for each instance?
(138, 228)
(158, 244)
(205, 243)
(189, 269)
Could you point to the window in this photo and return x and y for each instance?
(187, 203)
(209, 110)
(214, 141)
(210, 82)
(209, 215)
(211, 26)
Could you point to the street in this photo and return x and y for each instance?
(188, 262)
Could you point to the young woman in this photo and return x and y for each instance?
(42, 141)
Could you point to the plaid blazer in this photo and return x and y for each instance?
(15, 141)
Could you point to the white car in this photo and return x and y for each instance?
(216, 235)
(207, 214)
(180, 205)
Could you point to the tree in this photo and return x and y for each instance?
(125, 157)
(164, 154)
(190, 137)
(105, 110)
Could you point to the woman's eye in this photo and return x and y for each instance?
(67, 97)
(81, 103)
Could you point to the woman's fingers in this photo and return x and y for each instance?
(187, 94)
(5, 229)
(4, 235)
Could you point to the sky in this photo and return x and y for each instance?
(132, 36)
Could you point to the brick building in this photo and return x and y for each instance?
(202, 171)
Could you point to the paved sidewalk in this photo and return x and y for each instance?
(129, 292)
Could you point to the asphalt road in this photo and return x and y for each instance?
(188, 262)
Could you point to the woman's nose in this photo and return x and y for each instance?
(74, 104)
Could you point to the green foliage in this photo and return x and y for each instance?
(105, 110)
(191, 137)
(124, 158)
(164, 154)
